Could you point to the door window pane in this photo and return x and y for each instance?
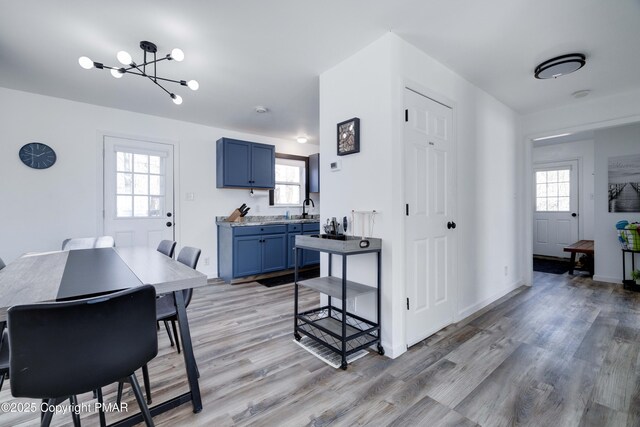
(141, 184)
(154, 164)
(141, 206)
(553, 190)
(124, 183)
(140, 163)
(155, 206)
(155, 185)
(123, 161)
(124, 206)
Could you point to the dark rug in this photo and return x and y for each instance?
(289, 278)
(552, 266)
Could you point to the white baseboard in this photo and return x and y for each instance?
(468, 311)
(607, 279)
(394, 352)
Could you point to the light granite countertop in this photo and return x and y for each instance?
(267, 220)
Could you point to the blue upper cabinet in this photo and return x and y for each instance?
(263, 166)
(243, 164)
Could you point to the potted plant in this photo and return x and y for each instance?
(635, 275)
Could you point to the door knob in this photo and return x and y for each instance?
(451, 225)
(574, 214)
(169, 223)
(169, 214)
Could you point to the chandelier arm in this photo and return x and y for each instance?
(146, 75)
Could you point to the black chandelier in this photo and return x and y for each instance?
(141, 69)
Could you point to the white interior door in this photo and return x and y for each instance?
(138, 192)
(555, 216)
(430, 244)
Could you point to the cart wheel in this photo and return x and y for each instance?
(297, 336)
(380, 350)
(343, 366)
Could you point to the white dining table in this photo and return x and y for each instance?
(65, 275)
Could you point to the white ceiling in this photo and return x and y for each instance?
(256, 52)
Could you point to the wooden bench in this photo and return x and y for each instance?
(582, 247)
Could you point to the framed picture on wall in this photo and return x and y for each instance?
(624, 183)
(349, 137)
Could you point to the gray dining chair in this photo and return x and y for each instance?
(76, 359)
(166, 305)
(167, 247)
(4, 357)
(88, 243)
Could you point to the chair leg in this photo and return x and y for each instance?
(175, 334)
(147, 383)
(48, 415)
(144, 409)
(1, 381)
(166, 325)
(103, 420)
(119, 397)
(73, 400)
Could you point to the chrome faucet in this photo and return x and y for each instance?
(306, 202)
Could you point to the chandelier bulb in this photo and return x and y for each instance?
(124, 58)
(117, 73)
(85, 62)
(177, 99)
(193, 84)
(177, 54)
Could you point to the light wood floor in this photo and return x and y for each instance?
(563, 353)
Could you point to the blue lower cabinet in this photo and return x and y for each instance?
(274, 253)
(310, 257)
(291, 249)
(247, 256)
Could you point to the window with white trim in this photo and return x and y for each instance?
(290, 182)
(553, 190)
(140, 187)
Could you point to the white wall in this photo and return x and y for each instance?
(618, 141)
(370, 85)
(582, 151)
(41, 208)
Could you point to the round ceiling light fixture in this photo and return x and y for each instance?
(302, 139)
(260, 109)
(560, 66)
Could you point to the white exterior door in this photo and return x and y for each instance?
(555, 218)
(138, 192)
(430, 235)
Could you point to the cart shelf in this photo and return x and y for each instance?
(333, 286)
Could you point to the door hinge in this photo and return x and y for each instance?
(407, 209)
(407, 303)
(406, 115)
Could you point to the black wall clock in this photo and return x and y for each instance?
(37, 155)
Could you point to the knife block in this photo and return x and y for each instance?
(235, 216)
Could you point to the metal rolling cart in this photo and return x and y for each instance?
(335, 328)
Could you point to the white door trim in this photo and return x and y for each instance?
(100, 217)
(418, 88)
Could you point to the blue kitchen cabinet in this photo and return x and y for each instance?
(257, 249)
(291, 251)
(247, 255)
(244, 164)
(310, 257)
(274, 255)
